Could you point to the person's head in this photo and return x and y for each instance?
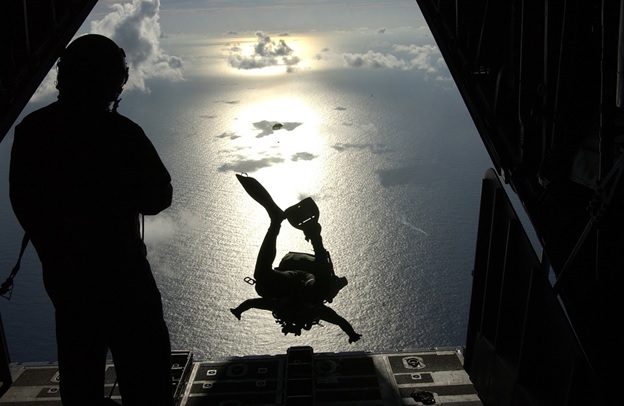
(296, 315)
(92, 69)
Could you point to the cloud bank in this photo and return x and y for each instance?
(267, 52)
(422, 57)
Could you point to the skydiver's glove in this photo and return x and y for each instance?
(354, 337)
(236, 313)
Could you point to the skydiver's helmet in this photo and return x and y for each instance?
(92, 69)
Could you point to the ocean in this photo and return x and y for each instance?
(392, 159)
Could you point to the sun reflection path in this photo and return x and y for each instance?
(294, 147)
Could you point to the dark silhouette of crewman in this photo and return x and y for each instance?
(295, 294)
(81, 177)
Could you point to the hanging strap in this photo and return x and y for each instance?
(6, 289)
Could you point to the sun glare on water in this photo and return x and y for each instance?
(280, 134)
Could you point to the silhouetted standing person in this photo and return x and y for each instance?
(81, 176)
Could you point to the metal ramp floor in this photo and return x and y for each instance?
(298, 378)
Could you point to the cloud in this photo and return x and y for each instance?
(374, 60)
(159, 229)
(229, 134)
(321, 55)
(248, 165)
(135, 27)
(376, 148)
(303, 156)
(266, 52)
(422, 57)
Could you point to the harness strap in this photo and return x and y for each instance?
(6, 289)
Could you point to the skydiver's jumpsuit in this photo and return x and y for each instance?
(276, 283)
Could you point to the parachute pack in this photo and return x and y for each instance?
(300, 261)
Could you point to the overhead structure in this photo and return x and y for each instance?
(32, 35)
(544, 83)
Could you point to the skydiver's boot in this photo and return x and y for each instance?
(262, 196)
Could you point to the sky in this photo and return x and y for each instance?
(257, 36)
